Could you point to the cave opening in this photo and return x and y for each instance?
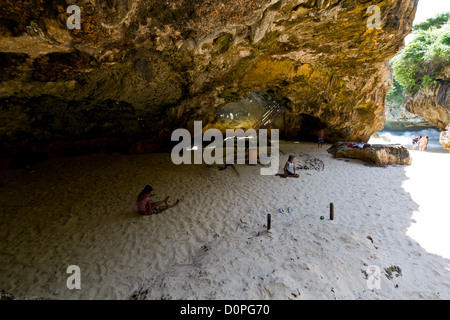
(310, 127)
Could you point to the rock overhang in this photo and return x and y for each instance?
(176, 62)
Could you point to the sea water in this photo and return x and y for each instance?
(405, 138)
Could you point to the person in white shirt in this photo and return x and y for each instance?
(289, 169)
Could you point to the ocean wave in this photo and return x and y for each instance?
(405, 137)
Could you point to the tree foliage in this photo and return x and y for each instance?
(424, 59)
(436, 22)
(396, 96)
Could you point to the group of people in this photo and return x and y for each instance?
(147, 207)
(421, 142)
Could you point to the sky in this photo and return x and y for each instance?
(428, 9)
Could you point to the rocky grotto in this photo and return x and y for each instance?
(92, 92)
(136, 70)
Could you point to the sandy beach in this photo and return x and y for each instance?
(214, 244)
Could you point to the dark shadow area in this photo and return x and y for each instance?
(9, 28)
(49, 127)
(310, 126)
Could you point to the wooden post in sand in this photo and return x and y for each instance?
(332, 211)
(268, 221)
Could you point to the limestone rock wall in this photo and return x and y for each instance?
(445, 138)
(432, 103)
(140, 68)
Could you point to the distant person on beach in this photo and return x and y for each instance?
(426, 145)
(418, 143)
(289, 169)
(321, 139)
(146, 207)
(415, 141)
(423, 143)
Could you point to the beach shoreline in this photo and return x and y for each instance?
(214, 244)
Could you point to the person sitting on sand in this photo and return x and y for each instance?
(289, 169)
(145, 206)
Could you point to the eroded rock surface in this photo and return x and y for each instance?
(143, 68)
(432, 103)
(375, 153)
(445, 138)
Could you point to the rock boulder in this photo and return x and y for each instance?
(376, 153)
(445, 138)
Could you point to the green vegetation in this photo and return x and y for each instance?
(436, 22)
(396, 96)
(423, 60)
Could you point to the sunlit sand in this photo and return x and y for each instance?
(214, 244)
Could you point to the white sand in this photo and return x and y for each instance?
(81, 211)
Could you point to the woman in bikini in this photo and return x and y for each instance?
(145, 206)
(423, 143)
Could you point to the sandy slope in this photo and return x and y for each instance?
(81, 211)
